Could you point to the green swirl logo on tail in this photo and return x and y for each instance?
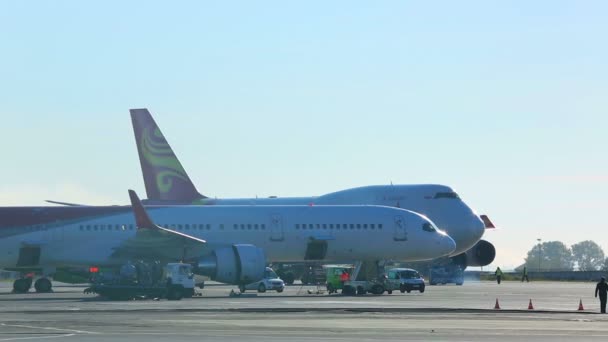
(158, 154)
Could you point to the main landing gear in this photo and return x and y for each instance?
(22, 285)
(41, 285)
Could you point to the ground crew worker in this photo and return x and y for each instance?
(525, 275)
(344, 277)
(602, 288)
(498, 275)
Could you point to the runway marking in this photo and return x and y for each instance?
(67, 332)
(35, 337)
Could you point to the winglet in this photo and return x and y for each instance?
(142, 220)
(487, 223)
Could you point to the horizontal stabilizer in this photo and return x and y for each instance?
(151, 242)
(143, 220)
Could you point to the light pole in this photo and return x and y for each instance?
(539, 251)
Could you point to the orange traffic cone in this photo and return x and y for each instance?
(497, 306)
(530, 306)
(580, 305)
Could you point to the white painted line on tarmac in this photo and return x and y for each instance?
(66, 332)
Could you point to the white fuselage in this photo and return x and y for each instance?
(437, 202)
(283, 232)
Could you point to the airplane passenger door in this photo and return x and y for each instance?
(276, 228)
(400, 229)
(57, 233)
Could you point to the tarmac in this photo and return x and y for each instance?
(441, 313)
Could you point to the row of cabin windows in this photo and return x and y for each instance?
(107, 227)
(248, 226)
(338, 226)
(190, 226)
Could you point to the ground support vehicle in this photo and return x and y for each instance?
(313, 275)
(361, 287)
(444, 274)
(351, 287)
(404, 280)
(271, 281)
(174, 282)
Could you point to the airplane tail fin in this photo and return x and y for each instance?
(164, 176)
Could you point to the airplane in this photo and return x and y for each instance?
(231, 244)
(167, 182)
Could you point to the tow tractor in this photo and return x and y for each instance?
(174, 281)
(351, 287)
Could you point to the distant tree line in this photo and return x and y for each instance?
(556, 256)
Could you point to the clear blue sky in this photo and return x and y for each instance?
(504, 101)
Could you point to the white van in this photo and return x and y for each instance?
(404, 280)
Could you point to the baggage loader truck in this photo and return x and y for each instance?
(174, 281)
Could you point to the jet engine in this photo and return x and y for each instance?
(238, 264)
(481, 254)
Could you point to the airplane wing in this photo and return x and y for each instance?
(66, 203)
(152, 242)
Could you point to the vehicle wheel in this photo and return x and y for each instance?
(187, 293)
(22, 285)
(402, 288)
(43, 285)
(349, 290)
(422, 289)
(389, 291)
(279, 290)
(330, 288)
(242, 288)
(459, 284)
(170, 293)
(262, 288)
(408, 291)
(175, 293)
(377, 289)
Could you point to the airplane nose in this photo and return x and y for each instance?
(447, 245)
(477, 228)
(471, 232)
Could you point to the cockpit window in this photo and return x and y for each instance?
(446, 195)
(427, 227)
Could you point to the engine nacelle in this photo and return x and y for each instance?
(239, 264)
(482, 254)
